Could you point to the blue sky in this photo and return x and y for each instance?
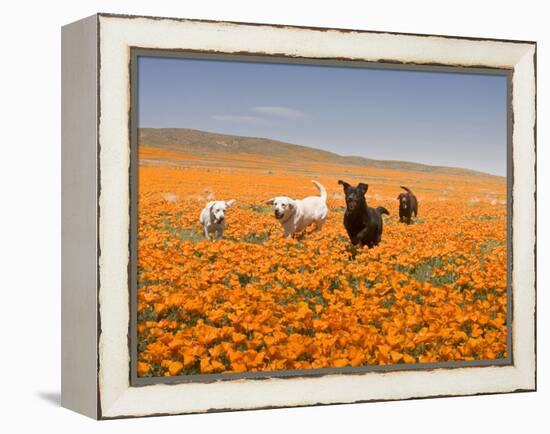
(448, 119)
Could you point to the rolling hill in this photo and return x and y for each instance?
(203, 142)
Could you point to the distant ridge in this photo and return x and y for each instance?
(203, 142)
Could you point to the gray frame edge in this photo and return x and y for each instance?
(79, 211)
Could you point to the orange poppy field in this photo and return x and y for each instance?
(432, 291)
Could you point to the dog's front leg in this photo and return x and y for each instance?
(358, 239)
(318, 225)
(206, 233)
(289, 228)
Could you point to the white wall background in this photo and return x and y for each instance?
(30, 216)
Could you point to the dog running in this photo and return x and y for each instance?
(408, 204)
(212, 217)
(297, 214)
(363, 224)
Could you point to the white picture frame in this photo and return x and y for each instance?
(96, 51)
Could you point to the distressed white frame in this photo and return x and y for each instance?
(116, 35)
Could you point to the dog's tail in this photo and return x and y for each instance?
(321, 190)
(382, 210)
(408, 190)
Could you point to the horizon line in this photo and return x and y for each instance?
(329, 152)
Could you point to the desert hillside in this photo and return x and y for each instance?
(196, 142)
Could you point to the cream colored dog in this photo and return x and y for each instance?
(212, 217)
(297, 214)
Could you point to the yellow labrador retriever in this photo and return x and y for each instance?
(297, 214)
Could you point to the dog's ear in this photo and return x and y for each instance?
(230, 202)
(400, 196)
(344, 183)
(209, 205)
(363, 187)
(270, 201)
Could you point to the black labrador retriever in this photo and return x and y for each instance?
(408, 205)
(363, 223)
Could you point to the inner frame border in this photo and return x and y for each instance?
(250, 57)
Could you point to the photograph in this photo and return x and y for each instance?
(317, 217)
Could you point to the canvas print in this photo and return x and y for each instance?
(303, 217)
